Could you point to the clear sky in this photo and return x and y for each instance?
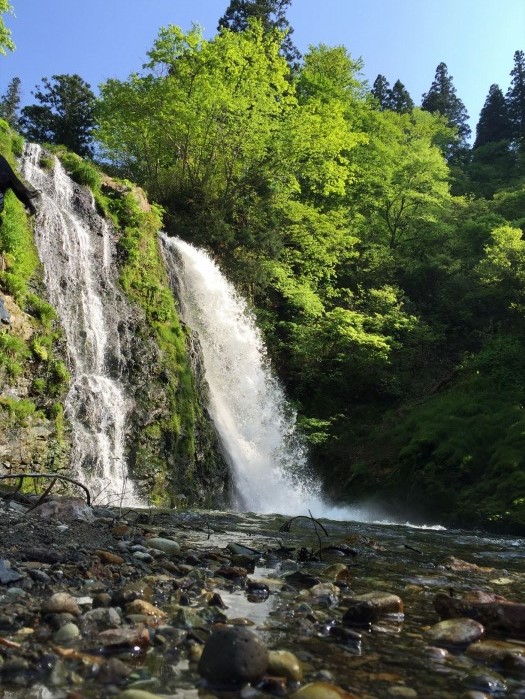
(404, 39)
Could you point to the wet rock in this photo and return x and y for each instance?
(402, 691)
(61, 602)
(301, 581)
(43, 555)
(321, 690)
(455, 632)
(282, 663)
(6, 574)
(140, 606)
(137, 694)
(124, 637)
(65, 509)
(166, 545)
(102, 599)
(231, 572)
(109, 557)
(66, 633)
(459, 565)
(100, 619)
(370, 607)
(490, 610)
(485, 680)
(232, 657)
(113, 671)
(492, 651)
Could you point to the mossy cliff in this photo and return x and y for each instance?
(33, 373)
(171, 446)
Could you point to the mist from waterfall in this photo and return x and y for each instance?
(74, 245)
(255, 423)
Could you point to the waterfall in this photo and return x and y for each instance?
(255, 423)
(75, 247)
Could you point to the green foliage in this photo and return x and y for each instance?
(64, 114)
(393, 310)
(18, 409)
(6, 42)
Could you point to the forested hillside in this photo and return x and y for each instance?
(382, 253)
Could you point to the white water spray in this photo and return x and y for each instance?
(247, 404)
(74, 246)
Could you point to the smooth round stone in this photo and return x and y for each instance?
(232, 657)
(321, 690)
(401, 691)
(61, 602)
(455, 632)
(66, 633)
(484, 680)
(372, 606)
(282, 663)
(166, 545)
(493, 651)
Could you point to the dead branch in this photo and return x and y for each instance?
(21, 476)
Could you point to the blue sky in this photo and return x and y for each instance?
(403, 39)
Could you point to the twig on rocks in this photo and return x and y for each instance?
(21, 476)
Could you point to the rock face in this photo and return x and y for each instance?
(169, 463)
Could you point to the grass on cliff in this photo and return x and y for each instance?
(28, 353)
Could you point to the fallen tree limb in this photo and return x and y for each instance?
(56, 476)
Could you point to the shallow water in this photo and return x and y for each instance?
(393, 659)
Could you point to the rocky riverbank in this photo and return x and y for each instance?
(138, 604)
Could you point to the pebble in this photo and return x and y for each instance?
(68, 632)
(61, 602)
(137, 694)
(101, 619)
(232, 657)
(493, 651)
(283, 663)
(141, 606)
(455, 632)
(109, 557)
(167, 545)
(364, 609)
(321, 690)
(485, 680)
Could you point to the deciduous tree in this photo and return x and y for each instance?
(6, 41)
(271, 14)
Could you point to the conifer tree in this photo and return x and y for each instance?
(442, 99)
(494, 123)
(400, 100)
(10, 103)
(516, 99)
(64, 116)
(381, 92)
(271, 13)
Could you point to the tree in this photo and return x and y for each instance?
(494, 123)
(442, 99)
(399, 99)
(272, 15)
(516, 99)
(10, 102)
(381, 92)
(64, 116)
(6, 42)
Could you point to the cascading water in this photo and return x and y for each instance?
(74, 245)
(247, 404)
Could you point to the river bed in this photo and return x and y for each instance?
(392, 657)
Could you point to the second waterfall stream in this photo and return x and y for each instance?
(255, 423)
